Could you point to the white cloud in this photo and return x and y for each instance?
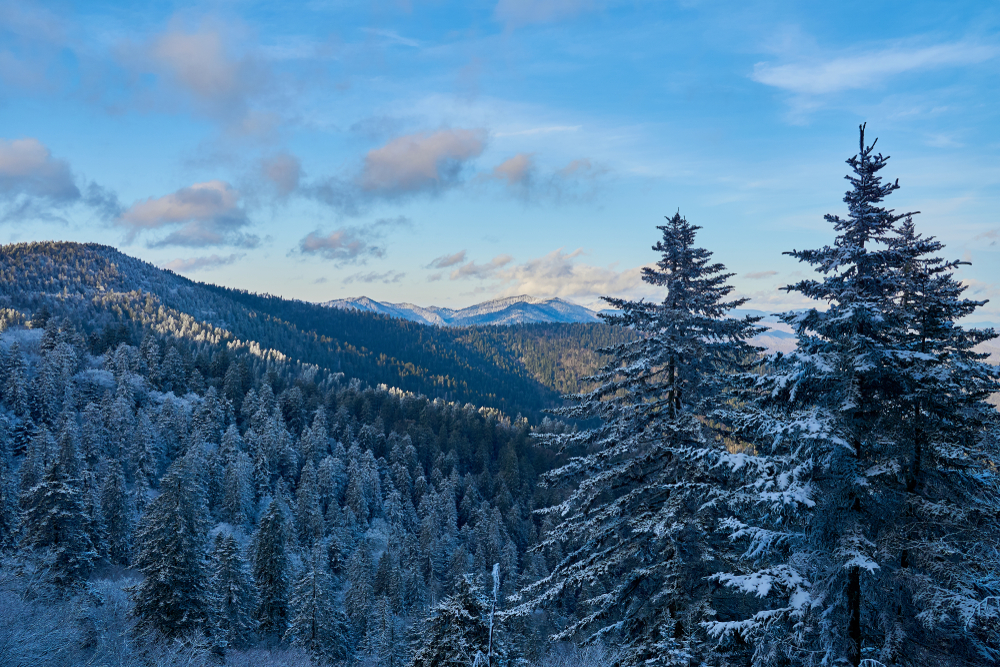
(387, 277)
(204, 214)
(869, 69)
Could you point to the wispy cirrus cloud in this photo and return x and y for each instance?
(200, 263)
(387, 277)
(517, 13)
(351, 244)
(200, 215)
(522, 178)
(444, 261)
(759, 275)
(823, 76)
(471, 270)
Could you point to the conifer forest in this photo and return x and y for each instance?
(196, 475)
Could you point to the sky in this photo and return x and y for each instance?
(444, 153)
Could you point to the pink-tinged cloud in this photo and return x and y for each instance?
(421, 162)
(515, 171)
(481, 271)
(200, 263)
(204, 214)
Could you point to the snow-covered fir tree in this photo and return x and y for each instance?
(55, 519)
(172, 597)
(271, 570)
(117, 512)
(637, 530)
(232, 592)
(866, 494)
(316, 624)
(456, 632)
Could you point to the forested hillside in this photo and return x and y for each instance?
(115, 298)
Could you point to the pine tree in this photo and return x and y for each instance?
(317, 625)
(55, 517)
(456, 631)
(232, 593)
(866, 506)
(637, 530)
(271, 570)
(173, 596)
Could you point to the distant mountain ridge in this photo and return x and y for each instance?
(521, 309)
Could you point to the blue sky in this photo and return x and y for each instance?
(445, 152)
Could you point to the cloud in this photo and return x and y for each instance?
(387, 278)
(558, 274)
(406, 166)
(204, 214)
(481, 271)
(349, 245)
(444, 261)
(208, 68)
(992, 236)
(200, 263)
(515, 171)
(758, 275)
(35, 185)
(283, 171)
(869, 69)
(516, 13)
(421, 162)
(28, 168)
(520, 175)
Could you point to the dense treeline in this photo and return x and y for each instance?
(239, 502)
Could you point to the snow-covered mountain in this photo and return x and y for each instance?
(509, 310)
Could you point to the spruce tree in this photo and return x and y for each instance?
(173, 596)
(867, 495)
(271, 570)
(232, 592)
(637, 528)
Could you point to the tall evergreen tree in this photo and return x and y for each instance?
(233, 593)
(117, 511)
(636, 530)
(317, 625)
(55, 518)
(271, 570)
(173, 597)
(868, 499)
(456, 632)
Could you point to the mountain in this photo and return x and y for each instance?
(113, 298)
(522, 309)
